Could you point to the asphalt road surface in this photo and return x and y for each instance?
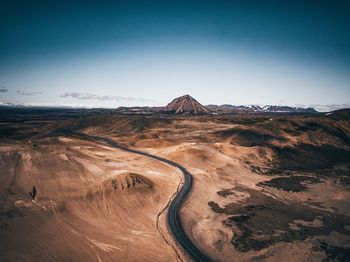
(173, 214)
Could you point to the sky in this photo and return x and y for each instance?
(146, 53)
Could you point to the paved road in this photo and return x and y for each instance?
(173, 214)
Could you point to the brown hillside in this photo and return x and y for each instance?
(186, 105)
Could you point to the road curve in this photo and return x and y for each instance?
(173, 214)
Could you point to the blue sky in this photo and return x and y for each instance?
(114, 53)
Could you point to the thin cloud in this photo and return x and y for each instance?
(3, 90)
(30, 93)
(89, 96)
(328, 107)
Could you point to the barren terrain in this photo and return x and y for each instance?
(265, 187)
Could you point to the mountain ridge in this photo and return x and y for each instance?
(227, 108)
(181, 105)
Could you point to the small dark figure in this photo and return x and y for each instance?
(33, 193)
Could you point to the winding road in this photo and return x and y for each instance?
(173, 214)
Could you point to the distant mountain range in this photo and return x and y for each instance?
(187, 105)
(226, 109)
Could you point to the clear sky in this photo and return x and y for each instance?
(115, 53)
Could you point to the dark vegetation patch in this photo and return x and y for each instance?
(336, 253)
(225, 192)
(307, 157)
(16, 132)
(341, 135)
(241, 119)
(339, 174)
(248, 138)
(316, 129)
(7, 131)
(11, 214)
(342, 114)
(236, 220)
(269, 171)
(264, 221)
(249, 120)
(265, 132)
(23, 123)
(117, 124)
(297, 126)
(15, 124)
(141, 124)
(291, 183)
(302, 127)
(8, 216)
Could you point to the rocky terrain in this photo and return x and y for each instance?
(265, 187)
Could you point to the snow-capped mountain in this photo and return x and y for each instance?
(259, 109)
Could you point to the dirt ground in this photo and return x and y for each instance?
(265, 188)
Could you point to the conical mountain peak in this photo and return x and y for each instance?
(186, 105)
